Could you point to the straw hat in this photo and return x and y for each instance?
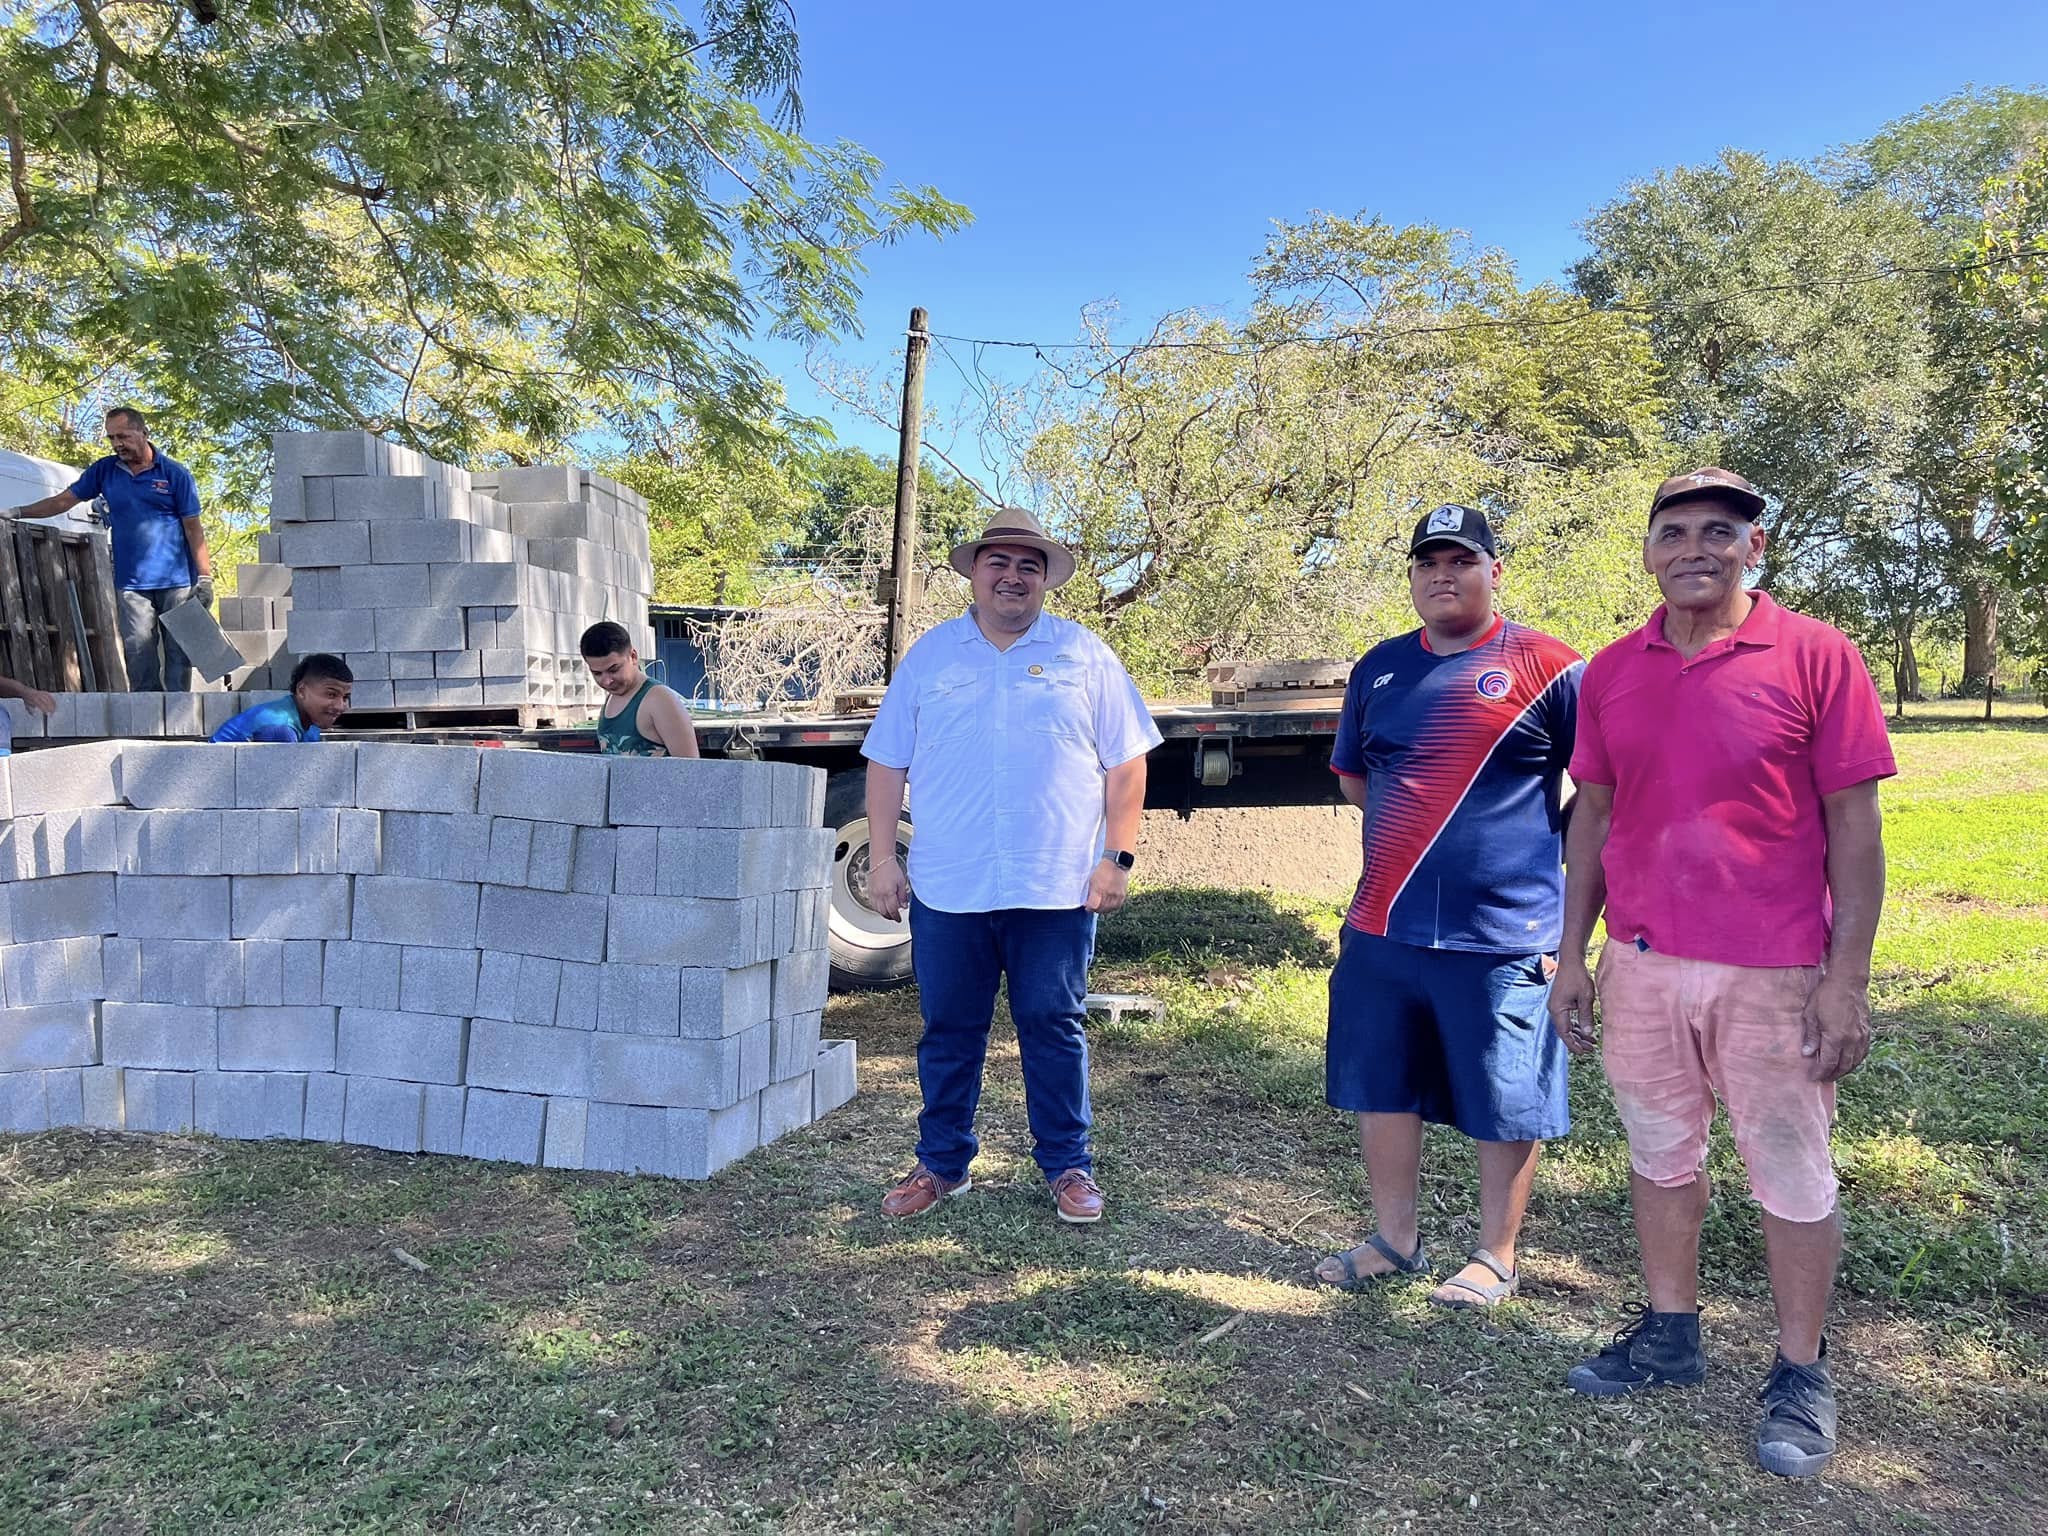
(1013, 525)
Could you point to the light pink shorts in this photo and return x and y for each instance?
(1679, 1032)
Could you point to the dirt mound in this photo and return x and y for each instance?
(1305, 850)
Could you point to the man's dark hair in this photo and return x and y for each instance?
(606, 639)
(135, 417)
(321, 668)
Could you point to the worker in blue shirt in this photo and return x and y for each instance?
(321, 685)
(160, 554)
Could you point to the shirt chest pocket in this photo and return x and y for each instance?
(950, 705)
(1054, 701)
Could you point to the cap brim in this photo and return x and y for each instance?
(1059, 564)
(1445, 538)
(1748, 499)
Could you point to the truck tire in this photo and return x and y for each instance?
(868, 951)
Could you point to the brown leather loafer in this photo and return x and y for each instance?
(920, 1191)
(1076, 1198)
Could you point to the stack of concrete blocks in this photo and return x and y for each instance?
(94, 715)
(526, 956)
(442, 588)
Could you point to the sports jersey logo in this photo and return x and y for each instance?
(1383, 679)
(1493, 683)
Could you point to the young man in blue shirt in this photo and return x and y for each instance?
(321, 685)
(160, 553)
(1453, 741)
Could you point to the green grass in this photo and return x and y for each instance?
(199, 1336)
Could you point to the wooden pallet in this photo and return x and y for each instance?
(1276, 684)
(467, 717)
(59, 629)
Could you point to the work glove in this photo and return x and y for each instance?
(202, 591)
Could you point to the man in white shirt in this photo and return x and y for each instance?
(1024, 740)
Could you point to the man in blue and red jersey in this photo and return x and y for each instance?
(1454, 741)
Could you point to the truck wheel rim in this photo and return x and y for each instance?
(854, 922)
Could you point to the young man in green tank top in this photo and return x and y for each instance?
(640, 718)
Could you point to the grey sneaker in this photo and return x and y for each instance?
(1657, 1349)
(1797, 1436)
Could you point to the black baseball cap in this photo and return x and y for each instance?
(1710, 481)
(1454, 525)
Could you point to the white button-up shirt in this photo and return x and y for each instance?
(1007, 752)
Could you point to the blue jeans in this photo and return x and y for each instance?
(140, 636)
(959, 958)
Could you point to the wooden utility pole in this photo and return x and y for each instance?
(899, 585)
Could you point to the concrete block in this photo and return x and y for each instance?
(185, 715)
(358, 975)
(527, 1058)
(638, 861)
(539, 482)
(263, 973)
(578, 997)
(177, 842)
(411, 664)
(331, 543)
(595, 860)
(640, 1000)
(192, 973)
(369, 666)
(441, 1128)
(250, 1106)
(657, 930)
(437, 981)
(559, 925)
(540, 981)
(727, 1136)
(121, 970)
(378, 497)
(404, 777)
(715, 1003)
(359, 842)
(511, 844)
(326, 1105)
(267, 844)
(420, 629)
(503, 1127)
(497, 985)
(333, 630)
(103, 1093)
(684, 1074)
(177, 775)
(157, 1100)
(799, 795)
(415, 693)
(793, 1045)
(801, 982)
(66, 907)
(424, 543)
(414, 1047)
(298, 454)
(785, 923)
(690, 792)
(382, 1113)
(48, 1036)
(277, 1039)
(546, 786)
(394, 910)
(64, 1094)
(54, 971)
(65, 778)
(568, 1123)
(550, 863)
(320, 843)
(291, 906)
(457, 664)
(785, 1107)
(833, 1082)
(24, 1105)
(754, 1047)
(294, 775)
(304, 982)
(253, 579)
(476, 583)
(159, 1035)
(173, 906)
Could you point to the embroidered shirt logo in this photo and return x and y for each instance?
(1493, 683)
(1383, 679)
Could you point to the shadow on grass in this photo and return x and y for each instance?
(1191, 928)
(2009, 717)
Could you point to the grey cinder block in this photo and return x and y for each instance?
(48, 1036)
(54, 971)
(802, 982)
(294, 775)
(683, 1074)
(178, 842)
(391, 909)
(333, 630)
(65, 778)
(754, 1047)
(785, 1107)
(263, 973)
(180, 775)
(834, 1076)
(411, 665)
(638, 860)
(24, 1104)
(382, 1113)
(121, 970)
(640, 1000)
(172, 906)
(275, 840)
(540, 981)
(793, 1045)
(291, 907)
(298, 454)
(595, 860)
(559, 925)
(551, 856)
(437, 981)
(658, 930)
(64, 1093)
(690, 792)
(546, 786)
(320, 842)
(497, 984)
(326, 1105)
(329, 543)
(511, 845)
(251, 1106)
(503, 1127)
(568, 1123)
(577, 997)
(66, 907)
(159, 1035)
(359, 842)
(476, 584)
(376, 497)
(404, 777)
(277, 1039)
(441, 1126)
(414, 1047)
(422, 543)
(157, 1100)
(103, 1092)
(192, 973)
(303, 980)
(420, 629)
(527, 1058)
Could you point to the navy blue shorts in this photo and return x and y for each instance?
(1458, 1038)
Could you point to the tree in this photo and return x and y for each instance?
(2012, 282)
(476, 229)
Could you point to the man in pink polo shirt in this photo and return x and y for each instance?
(1727, 761)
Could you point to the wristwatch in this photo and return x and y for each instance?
(1122, 858)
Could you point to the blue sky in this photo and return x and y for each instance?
(1139, 151)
